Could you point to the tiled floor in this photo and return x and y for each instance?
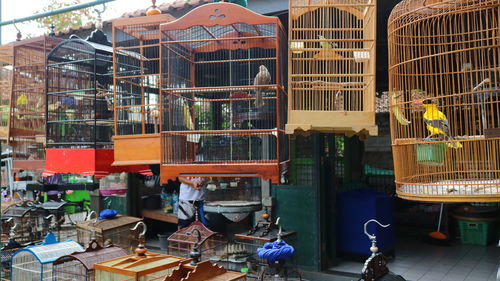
(416, 260)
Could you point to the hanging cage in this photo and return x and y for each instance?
(219, 117)
(6, 61)
(35, 262)
(181, 242)
(117, 230)
(136, 54)
(80, 265)
(445, 103)
(80, 108)
(332, 66)
(29, 220)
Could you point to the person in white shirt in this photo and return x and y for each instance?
(190, 196)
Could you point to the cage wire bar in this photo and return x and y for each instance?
(213, 120)
(79, 93)
(445, 99)
(332, 66)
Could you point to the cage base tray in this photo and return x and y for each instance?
(458, 191)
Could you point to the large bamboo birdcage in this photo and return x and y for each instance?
(27, 119)
(332, 66)
(6, 61)
(217, 117)
(444, 78)
(136, 54)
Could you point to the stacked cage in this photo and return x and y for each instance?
(80, 265)
(223, 97)
(444, 77)
(36, 262)
(332, 66)
(6, 60)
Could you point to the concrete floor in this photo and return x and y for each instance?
(416, 260)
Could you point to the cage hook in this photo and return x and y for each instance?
(141, 249)
(89, 217)
(99, 17)
(195, 253)
(279, 228)
(144, 228)
(19, 35)
(373, 238)
(12, 232)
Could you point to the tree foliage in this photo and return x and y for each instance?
(73, 19)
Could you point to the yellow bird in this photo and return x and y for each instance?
(325, 44)
(437, 123)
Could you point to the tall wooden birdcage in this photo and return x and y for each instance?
(136, 55)
(332, 66)
(6, 61)
(80, 108)
(27, 120)
(223, 96)
(444, 76)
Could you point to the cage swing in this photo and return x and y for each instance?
(143, 265)
(332, 67)
(36, 262)
(445, 102)
(222, 94)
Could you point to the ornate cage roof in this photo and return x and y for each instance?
(51, 249)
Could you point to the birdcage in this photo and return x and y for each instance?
(116, 230)
(29, 221)
(445, 99)
(6, 60)
(6, 253)
(181, 242)
(80, 265)
(137, 78)
(234, 198)
(80, 108)
(223, 96)
(332, 66)
(35, 262)
(143, 265)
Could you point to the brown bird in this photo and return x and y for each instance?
(262, 78)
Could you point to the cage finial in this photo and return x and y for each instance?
(196, 253)
(153, 10)
(141, 249)
(92, 233)
(52, 30)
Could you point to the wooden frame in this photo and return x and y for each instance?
(210, 58)
(445, 106)
(331, 66)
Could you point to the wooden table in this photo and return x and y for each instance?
(159, 215)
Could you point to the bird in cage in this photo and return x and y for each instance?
(437, 123)
(324, 44)
(262, 78)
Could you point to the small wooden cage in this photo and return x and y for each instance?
(136, 53)
(80, 265)
(150, 266)
(223, 94)
(444, 78)
(36, 262)
(118, 230)
(332, 66)
(181, 242)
